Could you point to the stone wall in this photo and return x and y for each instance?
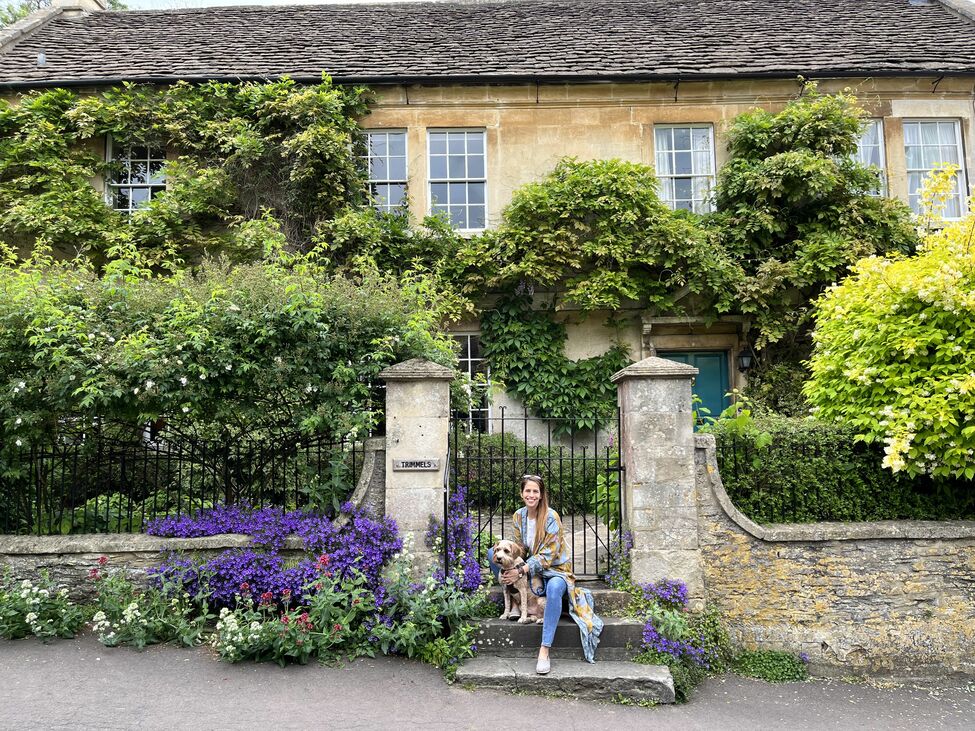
(888, 596)
(68, 559)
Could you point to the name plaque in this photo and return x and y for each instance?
(416, 465)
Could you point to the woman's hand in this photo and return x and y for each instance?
(509, 576)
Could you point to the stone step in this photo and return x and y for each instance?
(608, 601)
(603, 680)
(620, 638)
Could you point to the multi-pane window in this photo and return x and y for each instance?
(136, 175)
(472, 362)
(870, 152)
(928, 143)
(685, 165)
(386, 166)
(458, 177)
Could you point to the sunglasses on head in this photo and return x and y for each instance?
(536, 478)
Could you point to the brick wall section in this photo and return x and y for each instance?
(889, 596)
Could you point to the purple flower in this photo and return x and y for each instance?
(365, 545)
(462, 563)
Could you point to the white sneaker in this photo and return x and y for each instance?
(543, 665)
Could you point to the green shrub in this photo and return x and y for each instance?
(801, 470)
(37, 608)
(770, 665)
(895, 355)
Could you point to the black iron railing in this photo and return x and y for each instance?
(806, 476)
(107, 480)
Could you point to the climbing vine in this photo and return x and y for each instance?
(527, 352)
(247, 161)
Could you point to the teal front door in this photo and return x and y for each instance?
(712, 380)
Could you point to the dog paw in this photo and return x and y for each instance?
(524, 620)
(504, 615)
(540, 620)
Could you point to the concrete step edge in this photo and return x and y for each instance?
(605, 680)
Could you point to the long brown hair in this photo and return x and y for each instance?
(541, 510)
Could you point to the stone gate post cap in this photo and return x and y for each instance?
(654, 367)
(417, 369)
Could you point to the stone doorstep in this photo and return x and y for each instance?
(603, 680)
(620, 638)
(608, 601)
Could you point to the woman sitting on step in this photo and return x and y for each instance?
(538, 529)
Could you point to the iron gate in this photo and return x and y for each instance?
(581, 468)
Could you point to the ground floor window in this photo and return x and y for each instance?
(473, 363)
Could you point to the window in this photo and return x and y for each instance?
(926, 144)
(685, 165)
(386, 166)
(136, 175)
(870, 151)
(473, 363)
(458, 178)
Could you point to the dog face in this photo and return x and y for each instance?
(507, 553)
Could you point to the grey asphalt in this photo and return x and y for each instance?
(78, 684)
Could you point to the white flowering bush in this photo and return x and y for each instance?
(130, 615)
(895, 355)
(37, 608)
(283, 345)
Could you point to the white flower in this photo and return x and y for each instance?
(31, 618)
(228, 367)
(186, 409)
(19, 443)
(99, 617)
(183, 380)
(149, 384)
(203, 376)
(21, 385)
(136, 390)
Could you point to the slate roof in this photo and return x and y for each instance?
(571, 40)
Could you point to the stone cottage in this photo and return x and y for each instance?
(475, 99)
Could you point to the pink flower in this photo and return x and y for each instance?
(102, 560)
(245, 587)
(94, 574)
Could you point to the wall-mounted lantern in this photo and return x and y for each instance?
(746, 359)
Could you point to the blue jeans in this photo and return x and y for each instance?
(556, 593)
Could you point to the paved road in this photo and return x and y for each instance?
(78, 684)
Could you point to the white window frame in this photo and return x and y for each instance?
(405, 181)
(961, 179)
(431, 181)
(706, 205)
(468, 362)
(882, 192)
(110, 187)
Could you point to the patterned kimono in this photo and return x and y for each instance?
(548, 558)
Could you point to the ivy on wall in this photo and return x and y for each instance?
(252, 161)
(526, 348)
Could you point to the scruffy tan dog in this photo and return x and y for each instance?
(519, 600)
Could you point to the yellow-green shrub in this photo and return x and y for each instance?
(895, 354)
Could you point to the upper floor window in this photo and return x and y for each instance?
(458, 176)
(930, 142)
(870, 152)
(136, 175)
(386, 167)
(685, 165)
